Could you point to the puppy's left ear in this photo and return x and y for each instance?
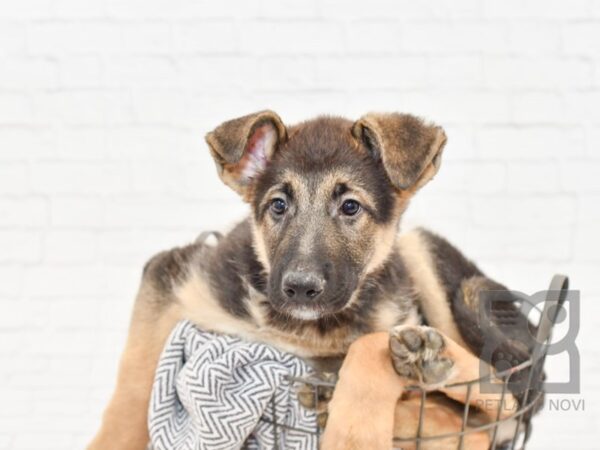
(242, 147)
(409, 148)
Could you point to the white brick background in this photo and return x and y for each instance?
(103, 108)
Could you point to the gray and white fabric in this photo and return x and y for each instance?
(216, 391)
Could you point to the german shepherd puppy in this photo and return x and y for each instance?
(317, 264)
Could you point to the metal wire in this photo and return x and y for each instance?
(485, 427)
(530, 399)
(275, 423)
(419, 439)
(421, 416)
(461, 442)
(499, 413)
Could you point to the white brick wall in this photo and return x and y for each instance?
(104, 103)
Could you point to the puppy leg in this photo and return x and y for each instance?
(365, 401)
(436, 362)
(361, 412)
(440, 416)
(124, 425)
(418, 354)
(421, 355)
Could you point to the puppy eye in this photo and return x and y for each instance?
(278, 206)
(350, 207)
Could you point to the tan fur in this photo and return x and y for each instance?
(337, 176)
(367, 411)
(298, 185)
(440, 416)
(410, 148)
(421, 268)
(259, 245)
(380, 238)
(389, 315)
(434, 165)
(124, 424)
(471, 288)
(228, 141)
(195, 301)
(410, 151)
(361, 413)
(383, 239)
(199, 305)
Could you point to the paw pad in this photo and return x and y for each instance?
(417, 354)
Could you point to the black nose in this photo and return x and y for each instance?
(302, 285)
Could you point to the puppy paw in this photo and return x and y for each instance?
(417, 354)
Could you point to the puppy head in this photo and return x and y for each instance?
(326, 195)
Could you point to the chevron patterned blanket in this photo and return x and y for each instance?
(216, 391)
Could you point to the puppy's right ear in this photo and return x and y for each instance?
(243, 147)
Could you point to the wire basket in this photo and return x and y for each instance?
(530, 372)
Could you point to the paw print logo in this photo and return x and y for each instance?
(503, 362)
